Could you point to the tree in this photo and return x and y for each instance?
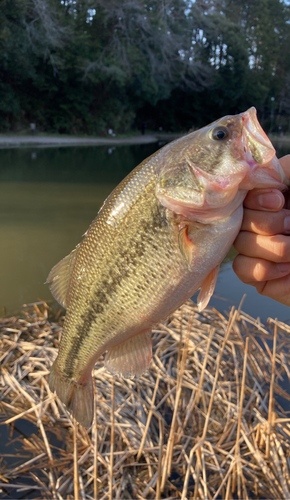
(30, 34)
(89, 65)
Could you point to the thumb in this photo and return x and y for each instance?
(271, 200)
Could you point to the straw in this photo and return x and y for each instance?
(76, 475)
(202, 422)
(112, 438)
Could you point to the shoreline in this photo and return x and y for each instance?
(279, 138)
(16, 141)
(39, 141)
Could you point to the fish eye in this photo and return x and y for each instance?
(220, 133)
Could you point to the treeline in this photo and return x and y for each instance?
(86, 66)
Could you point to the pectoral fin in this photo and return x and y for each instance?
(131, 357)
(207, 289)
(59, 278)
(186, 246)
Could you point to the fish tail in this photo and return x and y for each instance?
(78, 398)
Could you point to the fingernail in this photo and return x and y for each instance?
(284, 267)
(271, 201)
(287, 224)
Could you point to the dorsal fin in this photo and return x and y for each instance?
(59, 278)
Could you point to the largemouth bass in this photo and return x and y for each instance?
(160, 236)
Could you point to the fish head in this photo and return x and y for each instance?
(207, 173)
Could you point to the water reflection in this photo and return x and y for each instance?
(49, 197)
(91, 164)
(40, 223)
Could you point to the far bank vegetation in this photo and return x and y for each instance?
(87, 67)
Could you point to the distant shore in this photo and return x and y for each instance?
(279, 138)
(38, 140)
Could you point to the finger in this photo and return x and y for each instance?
(268, 199)
(266, 223)
(274, 248)
(285, 164)
(252, 271)
(264, 199)
(278, 289)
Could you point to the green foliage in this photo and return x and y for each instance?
(84, 67)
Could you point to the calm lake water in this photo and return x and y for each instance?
(48, 198)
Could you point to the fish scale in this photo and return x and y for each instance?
(130, 263)
(158, 237)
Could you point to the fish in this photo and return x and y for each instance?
(158, 238)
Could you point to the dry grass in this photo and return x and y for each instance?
(204, 422)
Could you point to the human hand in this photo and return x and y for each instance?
(264, 242)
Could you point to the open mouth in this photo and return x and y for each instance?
(256, 141)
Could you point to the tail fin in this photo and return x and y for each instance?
(77, 397)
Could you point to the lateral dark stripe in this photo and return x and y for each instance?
(124, 266)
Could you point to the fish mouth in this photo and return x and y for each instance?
(257, 146)
(260, 152)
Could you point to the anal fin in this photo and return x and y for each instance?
(131, 357)
(207, 289)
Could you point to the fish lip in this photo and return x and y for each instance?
(259, 151)
(253, 133)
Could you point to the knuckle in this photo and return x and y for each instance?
(267, 223)
(238, 267)
(251, 199)
(280, 248)
(236, 243)
(242, 266)
(236, 264)
(273, 223)
(262, 288)
(260, 271)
